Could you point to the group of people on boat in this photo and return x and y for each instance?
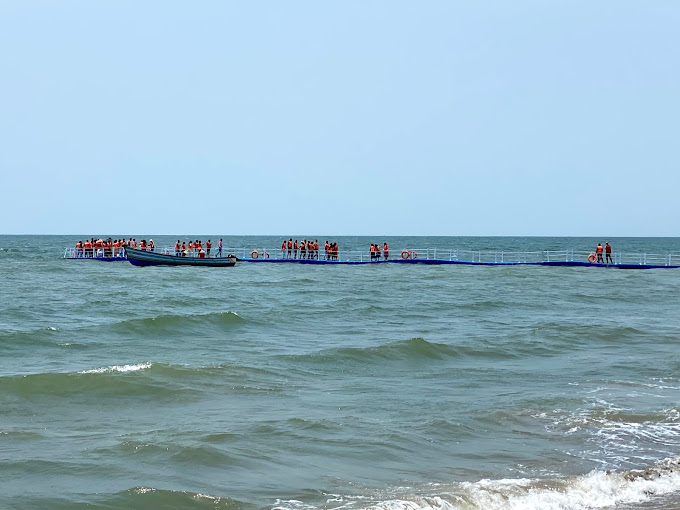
(196, 248)
(376, 252)
(607, 249)
(109, 247)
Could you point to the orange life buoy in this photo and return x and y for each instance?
(414, 254)
(591, 258)
(254, 254)
(405, 254)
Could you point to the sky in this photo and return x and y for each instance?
(518, 118)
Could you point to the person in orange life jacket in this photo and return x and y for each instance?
(295, 249)
(386, 251)
(283, 249)
(608, 253)
(598, 250)
(177, 248)
(208, 245)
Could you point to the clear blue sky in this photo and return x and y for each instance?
(330, 118)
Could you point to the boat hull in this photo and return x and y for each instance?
(149, 258)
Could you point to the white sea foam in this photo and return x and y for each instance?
(592, 491)
(598, 489)
(117, 368)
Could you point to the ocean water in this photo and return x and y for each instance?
(296, 387)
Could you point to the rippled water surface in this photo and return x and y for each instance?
(317, 387)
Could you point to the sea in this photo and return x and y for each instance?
(311, 387)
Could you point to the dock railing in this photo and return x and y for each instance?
(462, 255)
(91, 253)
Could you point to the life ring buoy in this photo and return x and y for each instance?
(592, 258)
(414, 254)
(405, 254)
(254, 254)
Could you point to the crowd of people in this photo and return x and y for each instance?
(196, 248)
(110, 247)
(307, 249)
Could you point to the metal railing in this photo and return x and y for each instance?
(433, 254)
(91, 253)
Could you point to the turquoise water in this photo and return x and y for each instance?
(312, 387)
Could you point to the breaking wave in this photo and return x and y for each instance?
(594, 490)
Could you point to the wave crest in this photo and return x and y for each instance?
(169, 324)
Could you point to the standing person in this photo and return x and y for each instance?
(598, 250)
(152, 245)
(290, 247)
(386, 251)
(316, 249)
(283, 249)
(608, 253)
(208, 245)
(377, 252)
(295, 248)
(219, 248)
(177, 248)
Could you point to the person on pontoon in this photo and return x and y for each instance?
(608, 253)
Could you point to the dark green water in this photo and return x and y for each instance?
(309, 387)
